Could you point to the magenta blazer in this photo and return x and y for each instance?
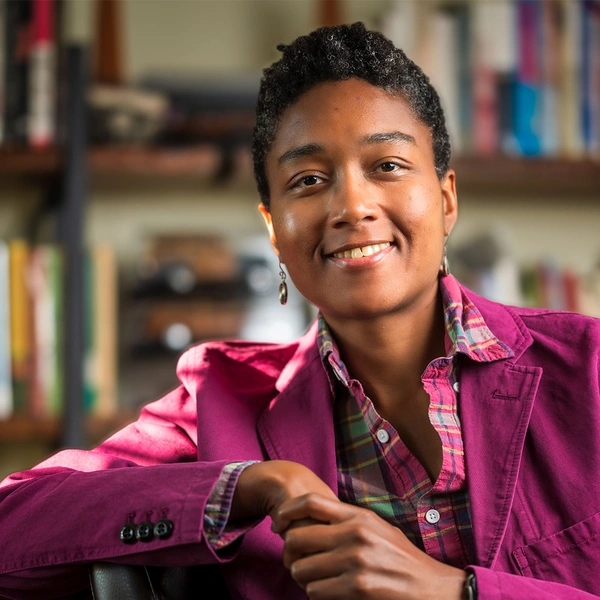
(531, 427)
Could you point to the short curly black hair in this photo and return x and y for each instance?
(336, 54)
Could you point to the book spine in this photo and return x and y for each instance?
(550, 76)
(90, 384)
(38, 333)
(527, 92)
(571, 130)
(19, 323)
(2, 66)
(591, 78)
(486, 129)
(42, 76)
(6, 399)
(465, 97)
(54, 277)
(105, 325)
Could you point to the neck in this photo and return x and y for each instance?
(388, 353)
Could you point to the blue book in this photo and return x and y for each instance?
(527, 91)
(590, 100)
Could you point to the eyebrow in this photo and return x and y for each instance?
(374, 138)
(392, 136)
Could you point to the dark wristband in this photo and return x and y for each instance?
(470, 589)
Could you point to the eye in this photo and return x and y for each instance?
(389, 167)
(307, 181)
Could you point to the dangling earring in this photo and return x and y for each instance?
(445, 267)
(283, 289)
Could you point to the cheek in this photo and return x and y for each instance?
(294, 236)
(423, 216)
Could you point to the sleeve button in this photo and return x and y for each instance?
(163, 529)
(127, 534)
(144, 531)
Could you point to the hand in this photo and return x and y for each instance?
(353, 553)
(263, 487)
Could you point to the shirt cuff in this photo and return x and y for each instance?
(218, 532)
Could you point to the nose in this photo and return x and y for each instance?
(352, 201)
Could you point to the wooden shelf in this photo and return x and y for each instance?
(24, 429)
(537, 177)
(24, 161)
(194, 161)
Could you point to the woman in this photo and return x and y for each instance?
(418, 442)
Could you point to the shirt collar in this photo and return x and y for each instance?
(466, 331)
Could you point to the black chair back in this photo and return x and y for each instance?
(126, 582)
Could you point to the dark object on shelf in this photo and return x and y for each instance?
(214, 109)
(253, 276)
(171, 326)
(125, 115)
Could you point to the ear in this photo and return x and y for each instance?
(264, 211)
(450, 201)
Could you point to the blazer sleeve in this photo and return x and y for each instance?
(494, 585)
(70, 509)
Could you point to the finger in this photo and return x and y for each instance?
(344, 587)
(313, 506)
(300, 542)
(322, 565)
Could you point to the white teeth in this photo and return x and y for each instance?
(364, 251)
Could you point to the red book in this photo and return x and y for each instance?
(42, 76)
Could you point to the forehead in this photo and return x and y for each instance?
(352, 108)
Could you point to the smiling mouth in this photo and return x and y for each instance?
(361, 251)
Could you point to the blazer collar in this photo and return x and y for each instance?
(298, 424)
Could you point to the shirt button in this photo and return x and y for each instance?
(432, 516)
(383, 436)
(456, 386)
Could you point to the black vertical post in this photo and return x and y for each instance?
(71, 225)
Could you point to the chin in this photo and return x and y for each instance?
(361, 310)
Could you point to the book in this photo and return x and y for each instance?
(590, 98)
(6, 399)
(90, 370)
(42, 76)
(570, 126)
(20, 331)
(551, 75)
(45, 285)
(527, 111)
(105, 329)
(2, 66)
(17, 28)
(485, 103)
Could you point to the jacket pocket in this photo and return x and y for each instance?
(571, 556)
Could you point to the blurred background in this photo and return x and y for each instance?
(128, 221)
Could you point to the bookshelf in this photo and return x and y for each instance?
(201, 164)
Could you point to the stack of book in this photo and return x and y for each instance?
(32, 322)
(29, 72)
(519, 77)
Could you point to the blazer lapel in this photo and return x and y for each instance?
(298, 425)
(495, 408)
